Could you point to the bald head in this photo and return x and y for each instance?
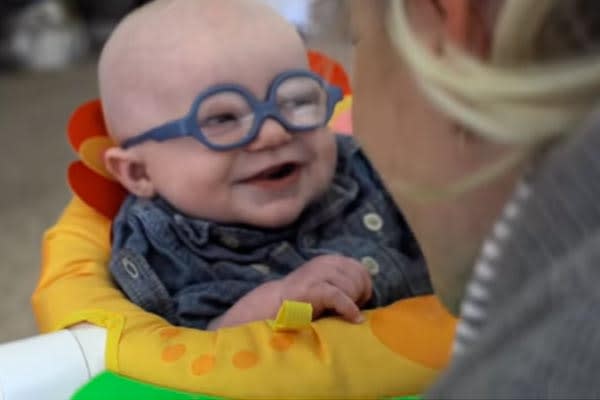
(163, 54)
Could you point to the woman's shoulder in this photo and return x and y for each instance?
(544, 342)
(540, 337)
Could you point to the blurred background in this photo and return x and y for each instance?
(48, 51)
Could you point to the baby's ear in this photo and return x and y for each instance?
(129, 169)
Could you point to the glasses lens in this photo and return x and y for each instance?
(225, 118)
(302, 102)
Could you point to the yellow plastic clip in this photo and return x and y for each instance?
(292, 315)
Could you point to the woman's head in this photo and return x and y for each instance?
(454, 98)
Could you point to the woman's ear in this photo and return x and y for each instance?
(130, 170)
(466, 24)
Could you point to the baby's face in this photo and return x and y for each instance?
(267, 183)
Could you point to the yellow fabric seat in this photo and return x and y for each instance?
(397, 351)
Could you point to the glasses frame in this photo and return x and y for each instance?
(188, 124)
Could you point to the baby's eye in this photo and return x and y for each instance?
(308, 99)
(219, 119)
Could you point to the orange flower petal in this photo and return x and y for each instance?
(86, 122)
(330, 70)
(103, 195)
(91, 152)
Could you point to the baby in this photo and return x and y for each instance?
(240, 196)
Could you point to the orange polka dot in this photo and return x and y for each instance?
(203, 364)
(173, 353)
(426, 328)
(245, 359)
(282, 341)
(168, 333)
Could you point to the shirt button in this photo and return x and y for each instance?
(371, 264)
(230, 241)
(262, 268)
(130, 268)
(373, 222)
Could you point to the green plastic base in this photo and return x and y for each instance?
(111, 386)
(108, 385)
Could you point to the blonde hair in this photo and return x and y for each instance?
(511, 98)
(514, 97)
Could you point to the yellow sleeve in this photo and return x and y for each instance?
(398, 351)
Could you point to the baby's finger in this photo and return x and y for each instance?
(367, 288)
(359, 274)
(350, 284)
(334, 299)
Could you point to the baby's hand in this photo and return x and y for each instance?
(330, 282)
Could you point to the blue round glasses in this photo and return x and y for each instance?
(228, 116)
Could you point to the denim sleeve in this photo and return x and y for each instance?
(390, 252)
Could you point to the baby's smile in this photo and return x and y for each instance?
(277, 177)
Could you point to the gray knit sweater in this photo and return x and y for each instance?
(530, 323)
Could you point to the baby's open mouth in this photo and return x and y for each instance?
(278, 175)
(277, 172)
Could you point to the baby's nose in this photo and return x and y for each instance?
(272, 134)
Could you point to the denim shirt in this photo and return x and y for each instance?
(191, 271)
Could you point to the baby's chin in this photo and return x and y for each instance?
(271, 214)
(282, 213)
(275, 216)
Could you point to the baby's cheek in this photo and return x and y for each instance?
(198, 197)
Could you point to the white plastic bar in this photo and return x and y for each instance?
(51, 366)
(92, 341)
